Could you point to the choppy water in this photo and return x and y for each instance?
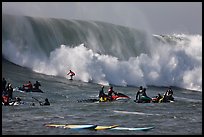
(184, 116)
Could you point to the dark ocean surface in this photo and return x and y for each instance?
(182, 117)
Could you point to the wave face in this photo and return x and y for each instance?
(102, 53)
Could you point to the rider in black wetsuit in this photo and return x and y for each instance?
(143, 98)
(37, 85)
(46, 103)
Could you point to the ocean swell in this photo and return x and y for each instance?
(103, 53)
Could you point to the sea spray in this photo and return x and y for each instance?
(110, 54)
(171, 68)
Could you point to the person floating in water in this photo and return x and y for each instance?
(71, 73)
(46, 103)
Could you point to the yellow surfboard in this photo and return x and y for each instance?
(72, 126)
(55, 125)
(105, 127)
(81, 126)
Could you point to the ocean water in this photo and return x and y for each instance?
(100, 54)
(182, 117)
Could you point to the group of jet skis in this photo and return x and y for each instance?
(9, 100)
(141, 96)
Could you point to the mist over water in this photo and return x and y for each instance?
(103, 53)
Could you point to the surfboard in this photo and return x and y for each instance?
(95, 127)
(55, 125)
(81, 126)
(134, 112)
(105, 127)
(133, 129)
(72, 126)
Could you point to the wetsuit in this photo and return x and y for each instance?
(71, 73)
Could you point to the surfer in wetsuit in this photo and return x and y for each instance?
(71, 73)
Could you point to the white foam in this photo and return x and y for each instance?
(168, 65)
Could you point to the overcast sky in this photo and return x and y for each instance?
(155, 17)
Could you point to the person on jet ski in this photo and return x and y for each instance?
(139, 92)
(101, 92)
(4, 84)
(110, 92)
(102, 96)
(28, 85)
(141, 96)
(168, 96)
(36, 85)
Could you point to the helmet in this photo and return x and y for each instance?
(140, 87)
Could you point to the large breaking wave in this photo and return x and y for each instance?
(103, 53)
